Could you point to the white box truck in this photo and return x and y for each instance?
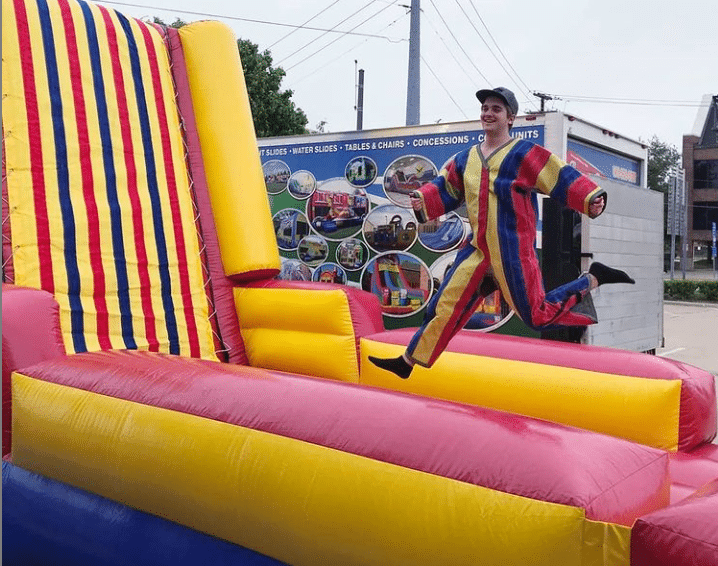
(341, 212)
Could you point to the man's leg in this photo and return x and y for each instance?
(446, 313)
(449, 310)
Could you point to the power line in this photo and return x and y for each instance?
(323, 67)
(304, 24)
(631, 101)
(458, 42)
(487, 45)
(237, 18)
(462, 67)
(498, 47)
(364, 7)
(340, 37)
(441, 83)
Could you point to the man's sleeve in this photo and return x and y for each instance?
(561, 182)
(446, 192)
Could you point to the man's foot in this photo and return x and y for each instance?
(605, 274)
(398, 366)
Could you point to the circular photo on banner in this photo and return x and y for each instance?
(361, 171)
(390, 227)
(294, 270)
(401, 282)
(352, 254)
(491, 313)
(407, 174)
(276, 176)
(442, 234)
(302, 184)
(336, 209)
(290, 226)
(330, 273)
(313, 250)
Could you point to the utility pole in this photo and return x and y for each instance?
(414, 81)
(360, 100)
(543, 97)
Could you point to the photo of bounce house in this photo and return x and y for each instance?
(276, 176)
(352, 254)
(329, 273)
(330, 211)
(389, 227)
(313, 250)
(290, 228)
(167, 401)
(360, 171)
(399, 283)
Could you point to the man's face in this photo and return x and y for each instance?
(495, 116)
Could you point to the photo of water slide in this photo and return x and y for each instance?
(400, 281)
(442, 234)
(407, 174)
(302, 184)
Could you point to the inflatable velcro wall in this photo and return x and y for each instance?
(101, 213)
(311, 471)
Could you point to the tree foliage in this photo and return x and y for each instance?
(662, 158)
(178, 23)
(273, 111)
(275, 114)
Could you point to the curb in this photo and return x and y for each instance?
(691, 303)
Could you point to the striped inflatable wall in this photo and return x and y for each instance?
(100, 207)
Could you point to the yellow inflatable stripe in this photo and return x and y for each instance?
(299, 331)
(298, 502)
(306, 353)
(606, 543)
(229, 149)
(295, 309)
(642, 410)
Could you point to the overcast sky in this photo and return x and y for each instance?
(658, 56)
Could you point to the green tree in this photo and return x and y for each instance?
(662, 159)
(176, 24)
(273, 111)
(275, 114)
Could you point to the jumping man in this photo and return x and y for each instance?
(497, 180)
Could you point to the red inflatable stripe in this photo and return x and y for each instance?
(612, 479)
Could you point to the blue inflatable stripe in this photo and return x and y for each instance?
(48, 522)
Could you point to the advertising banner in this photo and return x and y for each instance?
(589, 159)
(342, 214)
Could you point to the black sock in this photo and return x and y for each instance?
(605, 274)
(399, 366)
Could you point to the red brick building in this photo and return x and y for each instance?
(700, 161)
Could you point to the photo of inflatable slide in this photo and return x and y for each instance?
(166, 400)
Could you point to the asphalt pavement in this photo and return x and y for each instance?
(691, 334)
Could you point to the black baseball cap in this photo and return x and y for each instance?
(503, 93)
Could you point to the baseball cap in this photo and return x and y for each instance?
(503, 93)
